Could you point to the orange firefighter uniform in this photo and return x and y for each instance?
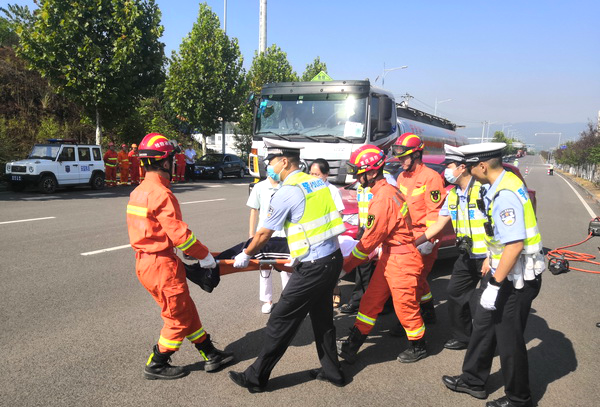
(134, 168)
(155, 228)
(123, 161)
(399, 266)
(424, 191)
(180, 170)
(110, 167)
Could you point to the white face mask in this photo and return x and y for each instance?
(450, 177)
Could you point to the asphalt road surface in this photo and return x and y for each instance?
(77, 326)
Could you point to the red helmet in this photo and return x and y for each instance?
(366, 158)
(155, 146)
(407, 144)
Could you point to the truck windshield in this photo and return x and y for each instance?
(323, 117)
(46, 152)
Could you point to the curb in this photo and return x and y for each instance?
(573, 179)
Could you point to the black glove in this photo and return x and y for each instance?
(420, 240)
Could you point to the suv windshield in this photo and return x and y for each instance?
(321, 117)
(43, 151)
(211, 159)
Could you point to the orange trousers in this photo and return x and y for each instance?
(180, 173)
(111, 176)
(164, 277)
(134, 173)
(124, 180)
(142, 173)
(396, 275)
(424, 291)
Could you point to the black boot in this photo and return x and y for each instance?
(428, 312)
(348, 348)
(158, 367)
(416, 351)
(213, 357)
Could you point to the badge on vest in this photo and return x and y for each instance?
(370, 221)
(508, 216)
(435, 196)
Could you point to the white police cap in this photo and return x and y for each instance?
(453, 154)
(278, 148)
(475, 153)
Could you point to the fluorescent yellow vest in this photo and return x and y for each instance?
(473, 226)
(533, 239)
(320, 221)
(363, 197)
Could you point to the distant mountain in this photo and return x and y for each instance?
(525, 132)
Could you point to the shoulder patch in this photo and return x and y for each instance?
(435, 196)
(508, 216)
(271, 210)
(370, 221)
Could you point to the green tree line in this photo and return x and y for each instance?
(96, 71)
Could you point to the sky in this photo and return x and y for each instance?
(502, 62)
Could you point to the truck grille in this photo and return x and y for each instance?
(18, 168)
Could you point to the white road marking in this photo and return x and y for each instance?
(110, 249)
(27, 220)
(100, 194)
(587, 207)
(207, 200)
(36, 198)
(186, 187)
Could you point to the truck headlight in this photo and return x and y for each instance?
(351, 219)
(7, 168)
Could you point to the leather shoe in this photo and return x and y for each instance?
(239, 378)
(456, 383)
(502, 402)
(348, 309)
(318, 374)
(455, 344)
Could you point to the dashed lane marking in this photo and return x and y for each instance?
(27, 220)
(39, 198)
(100, 194)
(206, 200)
(110, 249)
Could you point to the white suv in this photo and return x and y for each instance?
(56, 164)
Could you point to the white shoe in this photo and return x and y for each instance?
(266, 308)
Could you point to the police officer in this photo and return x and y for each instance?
(467, 218)
(513, 269)
(303, 206)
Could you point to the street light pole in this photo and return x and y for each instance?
(385, 71)
(439, 102)
(223, 144)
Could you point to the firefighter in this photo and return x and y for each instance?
(424, 191)
(134, 161)
(513, 272)
(399, 266)
(303, 206)
(180, 166)
(110, 165)
(467, 217)
(123, 161)
(155, 229)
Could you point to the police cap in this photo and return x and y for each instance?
(475, 153)
(453, 155)
(281, 148)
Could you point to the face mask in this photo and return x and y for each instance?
(449, 175)
(274, 175)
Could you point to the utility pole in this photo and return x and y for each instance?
(262, 27)
(223, 144)
(407, 98)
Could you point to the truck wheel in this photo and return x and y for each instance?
(220, 174)
(47, 184)
(97, 181)
(17, 186)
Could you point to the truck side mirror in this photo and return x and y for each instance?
(384, 122)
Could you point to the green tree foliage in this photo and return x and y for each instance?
(102, 54)
(586, 150)
(205, 84)
(499, 137)
(313, 69)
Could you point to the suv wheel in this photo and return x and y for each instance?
(97, 181)
(220, 174)
(47, 184)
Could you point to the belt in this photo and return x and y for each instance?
(166, 252)
(402, 249)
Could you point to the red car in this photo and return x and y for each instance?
(448, 238)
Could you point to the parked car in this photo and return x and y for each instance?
(447, 237)
(219, 165)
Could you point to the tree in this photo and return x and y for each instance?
(205, 84)
(313, 69)
(102, 54)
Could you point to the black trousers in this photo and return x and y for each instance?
(189, 172)
(308, 291)
(466, 274)
(503, 327)
(362, 277)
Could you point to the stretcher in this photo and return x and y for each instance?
(226, 265)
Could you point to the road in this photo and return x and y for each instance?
(77, 326)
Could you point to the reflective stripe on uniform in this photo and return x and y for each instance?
(416, 332)
(188, 243)
(419, 191)
(358, 254)
(137, 210)
(196, 335)
(403, 189)
(363, 318)
(169, 344)
(426, 297)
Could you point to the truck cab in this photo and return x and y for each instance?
(55, 164)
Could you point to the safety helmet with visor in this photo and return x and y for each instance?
(407, 144)
(154, 148)
(365, 158)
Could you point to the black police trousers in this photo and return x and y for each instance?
(362, 277)
(504, 327)
(309, 291)
(462, 302)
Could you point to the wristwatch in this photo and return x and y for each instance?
(494, 282)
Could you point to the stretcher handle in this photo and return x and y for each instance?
(255, 261)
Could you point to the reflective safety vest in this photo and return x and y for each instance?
(363, 197)
(533, 239)
(473, 226)
(321, 219)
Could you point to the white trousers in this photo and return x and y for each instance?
(266, 284)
